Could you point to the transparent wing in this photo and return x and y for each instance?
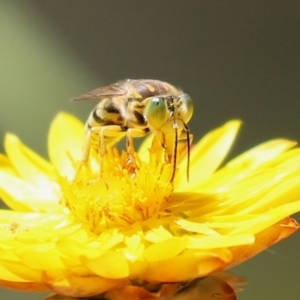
(114, 90)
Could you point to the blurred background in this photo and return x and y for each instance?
(237, 59)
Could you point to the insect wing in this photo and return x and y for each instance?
(111, 91)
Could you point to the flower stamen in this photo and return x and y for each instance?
(113, 191)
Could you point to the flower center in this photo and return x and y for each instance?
(119, 189)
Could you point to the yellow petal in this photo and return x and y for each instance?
(30, 166)
(288, 189)
(24, 286)
(6, 165)
(20, 271)
(261, 153)
(208, 154)
(238, 168)
(214, 242)
(144, 148)
(24, 196)
(19, 231)
(264, 239)
(65, 142)
(68, 284)
(40, 256)
(270, 218)
(191, 264)
(125, 225)
(165, 250)
(110, 265)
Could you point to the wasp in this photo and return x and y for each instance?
(133, 108)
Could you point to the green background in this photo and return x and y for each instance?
(237, 59)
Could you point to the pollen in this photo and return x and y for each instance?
(117, 190)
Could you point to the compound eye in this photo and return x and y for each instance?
(156, 112)
(187, 107)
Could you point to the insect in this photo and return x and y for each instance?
(133, 108)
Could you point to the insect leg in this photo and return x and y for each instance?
(134, 133)
(131, 134)
(85, 152)
(185, 135)
(96, 138)
(175, 150)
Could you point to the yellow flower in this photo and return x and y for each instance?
(121, 223)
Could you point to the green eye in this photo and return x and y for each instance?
(187, 107)
(156, 112)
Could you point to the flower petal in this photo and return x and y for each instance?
(30, 166)
(192, 264)
(240, 167)
(20, 271)
(65, 141)
(265, 239)
(24, 196)
(127, 224)
(110, 265)
(68, 284)
(24, 286)
(208, 154)
(6, 165)
(144, 148)
(165, 250)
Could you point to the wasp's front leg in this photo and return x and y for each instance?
(177, 145)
